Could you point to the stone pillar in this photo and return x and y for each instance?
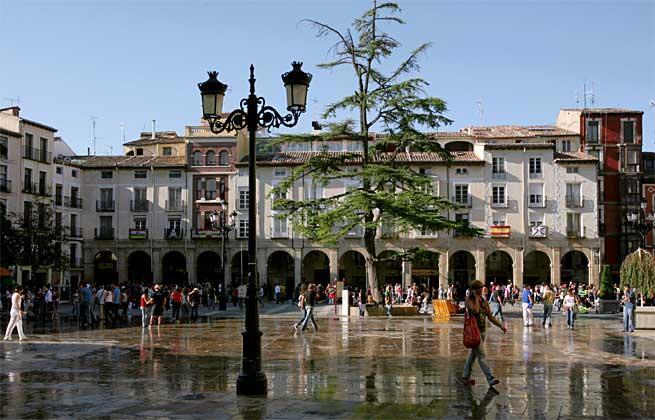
(19, 275)
(262, 267)
(190, 265)
(121, 260)
(594, 271)
(155, 266)
(517, 267)
(345, 306)
(555, 266)
(297, 267)
(444, 258)
(334, 263)
(49, 276)
(480, 265)
(406, 273)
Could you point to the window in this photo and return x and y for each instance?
(498, 167)
(57, 221)
(630, 160)
(4, 147)
(140, 195)
(462, 194)
(461, 171)
(243, 229)
(27, 213)
(498, 220)
(280, 172)
(174, 224)
(43, 182)
(141, 174)
(313, 191)
(196, 158)
(572, 170)
(536, 195)
(566, 145)
(74, 173)
(139, 152)
(106, 226)
(573, 198)
(73, 223)
(175, 174)
(60, 170)
(210, 159)
(174, 198)
(44, 149)
(535, 168)
(106, 174)
(29, 141)
(422, 171)
(573, 224)
(75, 192)
(280, 227)
(167, 151)
(462, 218)
(106, 196)
(223, 158)
(58, 194)
(628, 129)
(593, 132)
(73, 254)
(243, 198)
(536, 220)
(498, 196)
(210, 189)
(140, 223)
(28, 178)
(4, 185)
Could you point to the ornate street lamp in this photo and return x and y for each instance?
(224, 227)
(252, 114)
(642, 223)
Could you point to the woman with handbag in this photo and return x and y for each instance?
(475, 328)
(570, 306)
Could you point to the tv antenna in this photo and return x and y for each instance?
(479, 104)
(589, 94)
(12, 101)
(123, 131)
(93, 126)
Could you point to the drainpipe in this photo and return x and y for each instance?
(154, 201)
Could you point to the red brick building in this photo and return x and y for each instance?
(614, 136)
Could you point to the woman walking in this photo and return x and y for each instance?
(478, 308)
(570, 306)
(16, 314)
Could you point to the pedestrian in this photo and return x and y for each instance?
(278, 291)
(143, 305)
(310, 301)
(16, 315)
(301, 305)
(261, 296)
(157, 301)
(628, 303)
(100, 303)
(478, 308)
(176, 303)
(85, 306)
(549, 299)
(527, 301)
(570, 306)
(194, 300)
(109, 306)
(497, 303)
(388, 301)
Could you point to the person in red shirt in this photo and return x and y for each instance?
(176, 303)
(143, 305)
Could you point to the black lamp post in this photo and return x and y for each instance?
(224, 227)
(253, 113)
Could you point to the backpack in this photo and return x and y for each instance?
(471, 331)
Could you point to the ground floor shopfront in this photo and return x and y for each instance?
(291, 262)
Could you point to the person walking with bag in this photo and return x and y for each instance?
(16, 315)
(570, 304)
(475, 328)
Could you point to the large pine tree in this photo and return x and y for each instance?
(384, 191)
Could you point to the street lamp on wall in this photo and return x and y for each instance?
(252, 114)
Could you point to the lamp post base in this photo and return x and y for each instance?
(254, 383)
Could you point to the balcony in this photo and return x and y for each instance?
(500, 231)
(5, 185)
(139, 206)
(73, 202)
(103, 234)
(207, 195)
(75, 232)
(499, 175)
(175, 205)
(574, 201)
(540, 231)
(499, 204)
(536, 175)
(463, 200)
(37, 154)
(37, 189)
(138, 234)
(631, 168)
(104, 206)
(173, 234)
(537, 201)
(576, 233)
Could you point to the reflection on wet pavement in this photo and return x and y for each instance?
(365, 368)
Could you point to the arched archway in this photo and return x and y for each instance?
(425, 268)
(575, 268)
(173, 268)
(316, 268)
(499, 268)
(239, 268)
(280, 269)
(139, 268)
(208, 268)
(536, 268)
(105, 268)
(352, 268)
(389, 268)
(461, 269)
(459, 146)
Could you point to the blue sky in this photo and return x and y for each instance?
(133, 61)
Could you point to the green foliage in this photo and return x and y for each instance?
(382, 190)
(606, 288)
(8, 242)
(638, 270)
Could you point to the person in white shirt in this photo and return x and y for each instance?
(16, 314)
(278, 291)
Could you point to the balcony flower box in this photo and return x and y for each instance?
(500, 231)
(138, 234)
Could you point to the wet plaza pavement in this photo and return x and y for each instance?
(362, 368)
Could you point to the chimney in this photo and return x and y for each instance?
(88, 151)
(12, 110)
(153, 130)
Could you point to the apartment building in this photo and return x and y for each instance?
(614, 137)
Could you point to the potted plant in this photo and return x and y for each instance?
(638, 272)
(606, 296)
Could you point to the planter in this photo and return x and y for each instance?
(608, 306)
(645, 318)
